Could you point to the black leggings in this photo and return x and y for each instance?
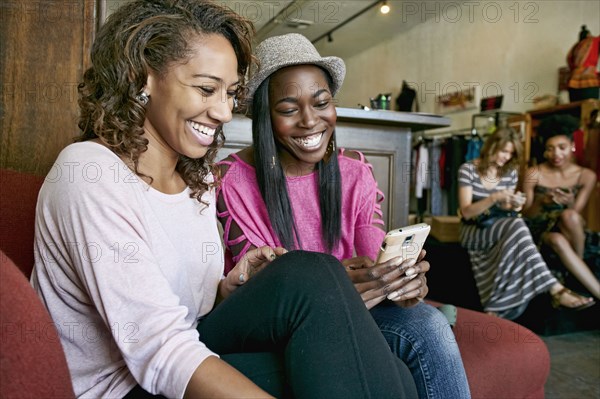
(299, 329)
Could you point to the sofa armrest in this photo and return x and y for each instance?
(18, 198)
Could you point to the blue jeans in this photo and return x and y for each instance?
(423, 339)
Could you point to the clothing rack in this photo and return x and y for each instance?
(435, 183)
(447, 134)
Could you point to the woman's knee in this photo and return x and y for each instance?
(302, 262)
(510, 226)
(421, 320)
(434, 327)
(556, 241)
(571, 219)
(313, 270)
(421, 330)
(517, 223)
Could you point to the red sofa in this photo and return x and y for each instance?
(33, 364)
(502, 359)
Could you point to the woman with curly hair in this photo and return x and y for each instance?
(557, 191)
(508, 269)
(128, 258)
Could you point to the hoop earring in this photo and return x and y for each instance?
(273, 162)
(143, 98)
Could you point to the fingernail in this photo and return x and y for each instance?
(393, 296)
(410, 271)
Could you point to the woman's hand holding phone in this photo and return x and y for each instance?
(415, 288)
(518, 200)
(407, 242)
(563, 196)
(389, 279)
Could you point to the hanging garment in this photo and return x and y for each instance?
(436, 188)
(455, 156)
(422, 171)
(442, 166)
(578, 142)
(473, 148)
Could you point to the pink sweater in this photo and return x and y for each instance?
(362, 231)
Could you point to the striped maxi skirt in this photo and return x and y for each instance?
(508, 269)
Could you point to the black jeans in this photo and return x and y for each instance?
(299, 329)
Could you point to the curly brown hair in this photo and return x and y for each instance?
(152, 35)
(496, 142)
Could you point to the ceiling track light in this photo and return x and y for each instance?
(352, 18)
(384, 9)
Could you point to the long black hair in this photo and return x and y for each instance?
(272, 181)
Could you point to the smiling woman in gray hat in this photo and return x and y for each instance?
(294, 189)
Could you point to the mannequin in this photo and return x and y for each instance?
(582, 59)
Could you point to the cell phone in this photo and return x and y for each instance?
(406, 242)
(519, 199)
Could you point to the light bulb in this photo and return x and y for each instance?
(384, 8)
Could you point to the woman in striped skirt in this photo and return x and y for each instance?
(508, 269)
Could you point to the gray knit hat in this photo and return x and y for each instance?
(282, 51)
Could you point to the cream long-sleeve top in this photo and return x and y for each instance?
(125, 272)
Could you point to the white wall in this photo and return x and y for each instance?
(486, 43)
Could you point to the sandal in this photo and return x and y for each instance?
(556, 297)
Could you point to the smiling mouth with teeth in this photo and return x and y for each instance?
(201, 129)
(310, 141)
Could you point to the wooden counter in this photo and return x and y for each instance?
(383, 136)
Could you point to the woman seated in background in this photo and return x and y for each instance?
(508, 269)
(294, 189)
(128, 258)
(557, 190)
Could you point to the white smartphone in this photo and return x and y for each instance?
(406, 242)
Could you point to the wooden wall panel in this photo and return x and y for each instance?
(44, 50)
